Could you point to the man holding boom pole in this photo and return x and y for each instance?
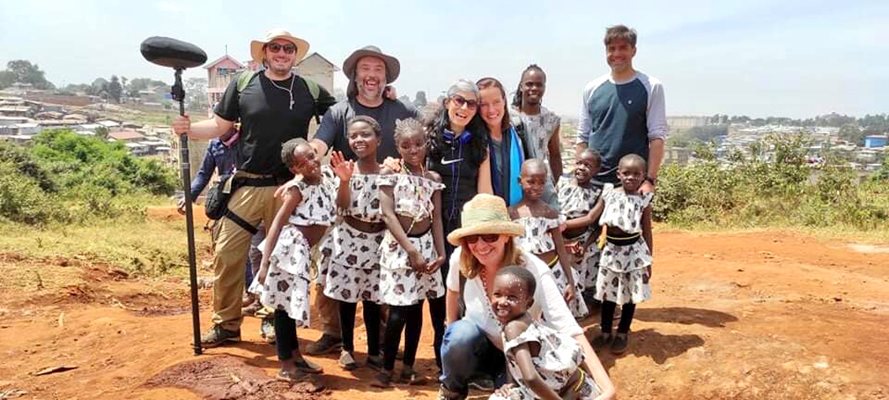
(274, 106)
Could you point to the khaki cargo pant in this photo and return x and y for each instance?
(254, 205)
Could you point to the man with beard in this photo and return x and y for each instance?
(274, 107)
(623, 112)
(369, 71)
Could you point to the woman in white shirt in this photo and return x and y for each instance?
(473, 344)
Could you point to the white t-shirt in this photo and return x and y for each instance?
(548, 299)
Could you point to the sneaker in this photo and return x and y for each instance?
(620, 343)
(326, 344)
(448, 394)
(482, 383)
(346, 361)
(382, 380)
(217, 336)
(375, 362)
(601, 341)
(267, 330)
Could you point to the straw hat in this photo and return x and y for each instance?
(302, 46)
(485, 214)
(393, 67)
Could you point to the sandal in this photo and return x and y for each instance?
(307, 366)
(346, 361)
(382, 380)
(411, 377)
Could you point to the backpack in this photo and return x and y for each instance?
(245, 77)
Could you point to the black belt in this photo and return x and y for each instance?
(623, 240)
(419, 235)
(258, 182)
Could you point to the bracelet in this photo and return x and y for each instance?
(651, 180)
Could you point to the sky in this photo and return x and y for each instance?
(759, 58)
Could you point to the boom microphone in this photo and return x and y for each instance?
(169, 52)
(180, 55)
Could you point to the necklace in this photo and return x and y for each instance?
(289, 91)
(423, 209)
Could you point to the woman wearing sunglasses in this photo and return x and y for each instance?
(459, 153)
(473, 344)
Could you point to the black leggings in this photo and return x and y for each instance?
(286, 341)
(371, 324)
(409, 318)
(437, 315)
(626, 316)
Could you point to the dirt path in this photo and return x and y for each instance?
(746, 316)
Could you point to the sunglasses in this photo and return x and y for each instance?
(460, 102)
(276, 47)
(489, 238)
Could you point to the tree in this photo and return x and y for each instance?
(99, 87)
(851, 133)
(114, 89)
(420, 99)
(25, 72)
(7, 78)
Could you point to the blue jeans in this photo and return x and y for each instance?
(467, 352)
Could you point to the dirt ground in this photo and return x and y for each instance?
(769, 314)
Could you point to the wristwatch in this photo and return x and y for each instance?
(651, 180)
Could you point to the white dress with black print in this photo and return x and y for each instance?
(577, 201)
(622, 268)
(350, 257)
(287, 283)
(538, 240)
(400, 285)
(559, 357)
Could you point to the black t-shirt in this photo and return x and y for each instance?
(458, 165)
(333, 127)
(267, 120)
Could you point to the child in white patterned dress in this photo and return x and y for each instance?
(625, 263)
(282, 281)
(542, 362)
(543, 234)
(351, 252)
(577, 197)
(411, 253)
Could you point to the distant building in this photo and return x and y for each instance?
(221, 71)
(219, 74)
(875, 141)
(126, 136)
(686, 122)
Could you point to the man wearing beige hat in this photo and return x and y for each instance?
(273, 106)
(369, 71)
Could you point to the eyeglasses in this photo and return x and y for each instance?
(490, 238)
(276, 47)
(460, 102)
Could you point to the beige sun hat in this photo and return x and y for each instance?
(485, 214)
(302, 46)
(393, 67)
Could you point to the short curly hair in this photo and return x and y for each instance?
(378, 131)
(407, 126)
(288, 148)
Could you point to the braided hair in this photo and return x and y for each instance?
(517, 96)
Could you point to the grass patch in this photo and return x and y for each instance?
(146, 248)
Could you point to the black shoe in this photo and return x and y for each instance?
(620, 343)
(217, 336)
(482, 383)
(601, 341)
(448, 394)
(326, 344)
(375, 362)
